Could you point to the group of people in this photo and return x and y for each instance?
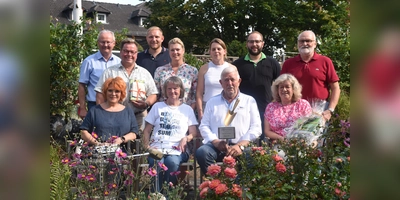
(266, 98)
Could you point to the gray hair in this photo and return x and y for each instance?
(312, 33)
(128, 41)
(106, 31)
(176, 81)
(295, 85)
(228, 70)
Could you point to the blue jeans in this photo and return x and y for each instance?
(172, 162)
(90, 104)
(207, 154)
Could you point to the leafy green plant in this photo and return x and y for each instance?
(59, 174)
(304, 172)
(193, 60)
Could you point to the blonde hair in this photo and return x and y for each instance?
(176, 41)
(153, 28)
(295, 85)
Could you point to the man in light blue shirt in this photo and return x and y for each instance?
(92, 68)
(246, 122)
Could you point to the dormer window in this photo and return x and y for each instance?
(141, 21)
(101, 17)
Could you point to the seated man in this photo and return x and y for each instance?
(247, 121)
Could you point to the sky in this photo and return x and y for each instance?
(132, 2)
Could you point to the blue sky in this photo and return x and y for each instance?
(132, 2)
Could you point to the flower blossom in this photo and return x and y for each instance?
(237, 190)
(65, 161)
(230, 172)
(106, 193)
(230, 161)
(152, 172)
(73, 164)
(92, 167)
(280, 168)
(204, 192)
(204, 185)
(81, 176)
(277, 158)
(73, 143)
(213, 170)
(94, 135)
(112, 139)
(128, 181)
(214, 183)
(120, 154)
(176, 173)
(163, 166)
(221, 189)
(90, 178)
(112, 186)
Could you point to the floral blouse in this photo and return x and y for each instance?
(281, 117)
(186, 73)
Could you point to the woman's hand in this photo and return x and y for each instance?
(183, 144)
(118, 141)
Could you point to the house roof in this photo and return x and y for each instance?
(119, 16)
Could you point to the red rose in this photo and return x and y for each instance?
(280, 168)
(230, 172)
(214, 183)
(337, 191)
(221, 188)
(213, 170)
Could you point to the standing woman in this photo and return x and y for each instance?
(177, 67)
(170, 121)
(208, 80)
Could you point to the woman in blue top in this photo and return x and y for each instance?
(110, 118)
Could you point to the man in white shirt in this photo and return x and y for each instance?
(247, 123)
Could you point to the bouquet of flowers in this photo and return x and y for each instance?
(309, 128)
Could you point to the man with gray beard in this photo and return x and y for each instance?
(315, 73)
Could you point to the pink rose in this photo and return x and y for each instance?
(280, 168)
(339, 184)
(204, 192)
(214, 183)
(204, 185)
(230, 172)
(237, 190)
(230, 161)
(337, 191)
(277, 158)
(221, 189)
(213, 170)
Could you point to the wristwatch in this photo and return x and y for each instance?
(123, 139)
(332, 110)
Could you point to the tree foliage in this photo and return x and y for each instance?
(197, 22)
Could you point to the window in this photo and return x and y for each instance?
(101, 18)
(141, 21)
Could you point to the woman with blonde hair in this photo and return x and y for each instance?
(209, 74)
(286, 108)
(177, 67)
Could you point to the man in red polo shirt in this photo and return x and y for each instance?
(315, 73)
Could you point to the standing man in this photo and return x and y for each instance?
(156, 55)
(257, 72)
(315, 73)
(141, 89)
(246, 122)
(92, 68)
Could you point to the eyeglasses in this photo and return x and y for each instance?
(254, 41)
(306, 41)
(105, 42)
(127, 52)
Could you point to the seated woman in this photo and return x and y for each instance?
(171, 120)
(286, 108)
(110, 118)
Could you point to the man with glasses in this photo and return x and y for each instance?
(257, 72)
(315, 73)
(92, 68)
(141, 89)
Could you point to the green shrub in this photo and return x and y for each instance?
(60, 174)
